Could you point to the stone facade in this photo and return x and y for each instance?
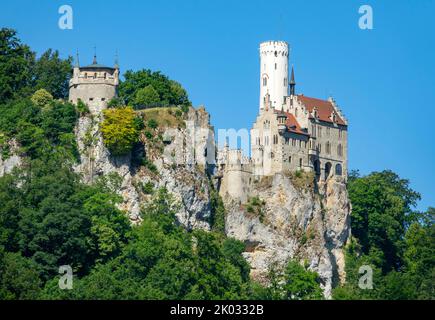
(94, 84)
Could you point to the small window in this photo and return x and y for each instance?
(275, 66)
(86, 75)
(91, 99)
(290, 159)
(264, 81)
(95, 75)
(103, 99)
(300, 163)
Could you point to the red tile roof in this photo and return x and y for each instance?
(292, 124)
(324, 108)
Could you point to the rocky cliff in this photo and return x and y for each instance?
(293, 217)
(170, 163)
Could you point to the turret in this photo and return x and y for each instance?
(274, 72)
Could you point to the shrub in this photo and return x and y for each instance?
(119, 130)
(42, 98)
(148, 188)
(152, 123)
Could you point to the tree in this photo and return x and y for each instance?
(19, 278)
(147, 97)
(42, 98)
(52, 73)
(300, 283)
(382, 205)
(169, 92)
(119, 130)
(16, 61)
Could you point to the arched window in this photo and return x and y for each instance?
(328, 148)
(86, 75)
(328, 166)
(290, 159)
(95, 75)
(264, 81)
(338, 169)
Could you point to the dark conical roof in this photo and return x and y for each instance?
(292, 79)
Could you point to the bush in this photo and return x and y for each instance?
(119, 130)
(42, 98)
(152, 123)
(148, 188)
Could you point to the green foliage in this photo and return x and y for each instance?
(116, 102)
(82, 107)
(301, 284)
(40, 132)
(255, 206)
(148, 188)
(119, 130)
(217, 219)
(42, 98)
(147, 88)
(21, 73)
(16, 61)
(390, 237)
(152, 123)
(381, 211)
(295, 282)
(164, 261)
(147, 97)
(18, 278)
(52, 73)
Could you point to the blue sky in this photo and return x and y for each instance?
(383, 79)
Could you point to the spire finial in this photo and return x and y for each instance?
(95, 55)
(292, 82)
(77, 59)
(116, 60)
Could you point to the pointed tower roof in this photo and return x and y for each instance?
(292, 79)
(77, 65)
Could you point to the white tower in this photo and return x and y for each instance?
(273, 72)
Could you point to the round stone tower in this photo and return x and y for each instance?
(273, 73)
(94, 84)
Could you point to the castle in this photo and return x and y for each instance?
(94, 84)
(292, 131)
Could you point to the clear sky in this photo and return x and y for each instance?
(383, 79)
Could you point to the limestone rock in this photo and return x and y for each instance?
(296, 223)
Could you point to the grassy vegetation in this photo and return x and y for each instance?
(168, 117)
(302, 180)
(255, 206)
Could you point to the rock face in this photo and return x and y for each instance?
(178, 167)
(12, 161)
(295, 222)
